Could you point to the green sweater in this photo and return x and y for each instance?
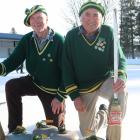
(44, 66)
(86, 65)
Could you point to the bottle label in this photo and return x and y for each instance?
(115, 117)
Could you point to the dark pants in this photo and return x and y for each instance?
(18, 87)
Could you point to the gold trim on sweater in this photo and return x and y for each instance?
(3, 69)
(91, 89)
(48, 90)
(90, 44)
(71, 88)
(44, 48)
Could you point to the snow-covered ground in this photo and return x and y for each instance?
(33, 112)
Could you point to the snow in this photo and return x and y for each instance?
(33, 111)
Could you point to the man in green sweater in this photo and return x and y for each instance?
(88, 63)
(41, 50)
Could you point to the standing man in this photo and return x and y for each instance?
(88, 63)
(41, 49)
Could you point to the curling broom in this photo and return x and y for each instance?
(115, 114)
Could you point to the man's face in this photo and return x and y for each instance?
(38, 22)
(91, 19)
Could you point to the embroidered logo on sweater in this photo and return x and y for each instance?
(100, 45)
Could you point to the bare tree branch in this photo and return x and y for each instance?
(71, 16)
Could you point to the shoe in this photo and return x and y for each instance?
(102, 116)
(103, 107)
(93, 137)
(62, 129)
(41, 124)
(19, 129)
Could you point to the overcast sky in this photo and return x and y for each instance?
(12, 14)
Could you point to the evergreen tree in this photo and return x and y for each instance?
(128, 26)
(138, 28)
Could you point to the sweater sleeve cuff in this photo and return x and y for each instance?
(0, 69)
(61, 94)
(61, 99)
(74, 95)
(123, 77)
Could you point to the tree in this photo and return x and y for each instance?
(71, 12)
(128, 26)
(138, 23)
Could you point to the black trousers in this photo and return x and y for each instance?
(19, 87)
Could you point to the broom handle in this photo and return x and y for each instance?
(115, 48)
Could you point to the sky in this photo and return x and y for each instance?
(12, 14)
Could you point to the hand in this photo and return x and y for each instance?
(119, 85)
(57, 106)
(79, 105)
